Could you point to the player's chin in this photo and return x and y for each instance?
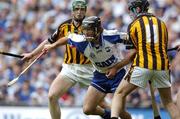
(80, 17)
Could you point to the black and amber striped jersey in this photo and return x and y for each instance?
(150, 37)
(72, 55)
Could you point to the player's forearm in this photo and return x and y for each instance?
(132, 55)
(60, 42)
(39, 48)
(122, 63)
(126, 60)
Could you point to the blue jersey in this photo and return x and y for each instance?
(104, 55)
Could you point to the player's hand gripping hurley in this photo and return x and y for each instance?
(17, 78)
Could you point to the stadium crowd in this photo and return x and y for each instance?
(25, 23)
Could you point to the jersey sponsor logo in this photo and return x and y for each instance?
(107, 63)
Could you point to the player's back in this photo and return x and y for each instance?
(150, 37)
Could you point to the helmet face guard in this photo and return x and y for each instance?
(90, 34)
(91, 27)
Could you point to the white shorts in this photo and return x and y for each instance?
(78, 73)
(141, 76)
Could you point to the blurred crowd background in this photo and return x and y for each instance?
(24, 24)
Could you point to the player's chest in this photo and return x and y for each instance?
(100, 52)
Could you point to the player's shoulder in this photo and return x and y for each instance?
(65, 23)
(112, 36)
(134, 23)
(76, 37)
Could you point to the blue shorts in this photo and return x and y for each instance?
(105, 85)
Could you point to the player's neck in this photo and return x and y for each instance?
(76, 23)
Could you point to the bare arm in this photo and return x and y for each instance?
(59, 42)
(126, 60)
(53, 38)
(45, 45)
(27, 56)
(39, 48)
(112, 72)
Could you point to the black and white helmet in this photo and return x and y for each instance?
(93, 24)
